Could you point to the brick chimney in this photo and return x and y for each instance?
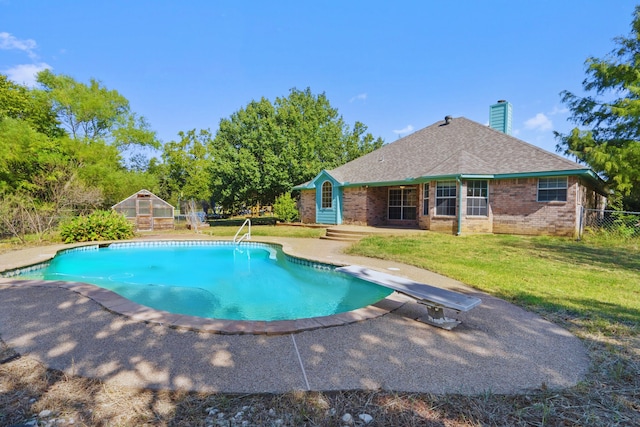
(500, 117)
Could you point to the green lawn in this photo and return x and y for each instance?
(266, 230)
(596, 284)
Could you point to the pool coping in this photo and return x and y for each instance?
(118, 304)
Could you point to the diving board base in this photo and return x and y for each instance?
(435, 317)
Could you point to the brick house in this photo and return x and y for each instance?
(457, 176)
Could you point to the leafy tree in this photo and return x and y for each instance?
(184, 171)
(266, 148)
(38, 181)
(99, 166)
(246, 156)
(101, 129)
(19, 146)
(21, 103)
(610, 144)
(316, 135)
(92, 112)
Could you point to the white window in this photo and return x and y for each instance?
(425, 199)
(552, 189)
(327, 195)
(477, 198)
(446, 198)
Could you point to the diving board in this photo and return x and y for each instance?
(435, 299)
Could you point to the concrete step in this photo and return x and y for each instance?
(341, 238)
(344, 235)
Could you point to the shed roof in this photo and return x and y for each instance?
(462, 147)
(142, 193)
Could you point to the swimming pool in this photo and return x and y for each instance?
(217, 280)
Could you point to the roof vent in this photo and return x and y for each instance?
(447, 120)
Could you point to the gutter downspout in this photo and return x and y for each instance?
(459, 181)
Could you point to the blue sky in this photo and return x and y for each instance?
(396, 66)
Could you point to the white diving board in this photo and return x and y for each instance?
(435, 299)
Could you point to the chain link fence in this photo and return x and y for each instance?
(615, 223)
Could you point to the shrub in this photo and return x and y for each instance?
(285, 208)
(99, 225)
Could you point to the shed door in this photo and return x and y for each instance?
(144, 219)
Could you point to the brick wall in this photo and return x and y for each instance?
(354, 206)
(307, 206)
(377, 214)
(477, 224)
(364, 205)
(516, 210)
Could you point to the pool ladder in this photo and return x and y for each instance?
(245, 236)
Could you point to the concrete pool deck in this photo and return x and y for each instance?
(499, 348)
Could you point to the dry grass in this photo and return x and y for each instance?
(609, 396)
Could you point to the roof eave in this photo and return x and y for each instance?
(306, 186)
(566, 172)
(584, 173)
(406, 181)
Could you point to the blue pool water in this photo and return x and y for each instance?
(220, 281)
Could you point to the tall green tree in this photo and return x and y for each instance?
(92, 112)
(24, 154)
(184, 172)
(266, 148)
(21, 103)
(39, 182)
(607, 136)
(316, 136)
(247, 166)
(98, 165)
(105, 138)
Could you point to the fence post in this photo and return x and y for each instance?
(581, 223)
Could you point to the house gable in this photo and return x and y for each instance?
(328, 198)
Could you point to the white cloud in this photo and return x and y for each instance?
(359, 97)
(26, 74)
(557, 110)
(9, 42)
(540, 122)
(406, 129)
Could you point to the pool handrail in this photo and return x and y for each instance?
(245, 236)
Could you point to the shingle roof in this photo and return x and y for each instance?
(462, 147)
